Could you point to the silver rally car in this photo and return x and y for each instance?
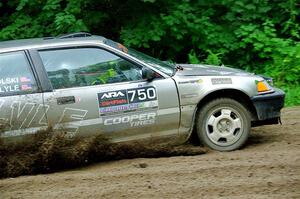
(85, 85)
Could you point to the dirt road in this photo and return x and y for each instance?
(267, 167)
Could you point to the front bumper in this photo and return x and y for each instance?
(268, 107)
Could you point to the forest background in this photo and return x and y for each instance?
(261, 36)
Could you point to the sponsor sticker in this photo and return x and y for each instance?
(127, 100)
(112, 98)
(119, 108)
(191, 95)
(133, 120)
(26, 87)
(216, 81)
(198, 81)
(25, 79)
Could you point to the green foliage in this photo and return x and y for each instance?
(213, 59)
(26, 19)
(292, 95)
(261, 36)
(193, 58)
(281, 55)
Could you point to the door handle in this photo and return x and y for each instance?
(65, 100)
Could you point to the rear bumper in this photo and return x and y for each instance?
(268, 107)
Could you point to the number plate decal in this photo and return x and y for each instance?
(142, 98)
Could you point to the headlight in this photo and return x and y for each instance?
(263, 86)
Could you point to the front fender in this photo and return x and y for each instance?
(194, 89)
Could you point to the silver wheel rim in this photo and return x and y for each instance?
(224, 126)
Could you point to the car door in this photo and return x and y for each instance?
(21, 106)
(97, 91)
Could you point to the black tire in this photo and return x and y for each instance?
(223, 124)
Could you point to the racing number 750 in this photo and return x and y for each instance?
(142, 94)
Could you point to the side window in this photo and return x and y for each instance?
(77, 67)
(15, 74)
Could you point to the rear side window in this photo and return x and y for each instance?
(15, 74)
(79, 67)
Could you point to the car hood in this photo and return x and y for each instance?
(208, 70)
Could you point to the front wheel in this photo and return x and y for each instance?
(223, 124)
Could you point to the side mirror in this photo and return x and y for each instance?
(148, 74)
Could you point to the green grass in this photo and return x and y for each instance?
(292, 97)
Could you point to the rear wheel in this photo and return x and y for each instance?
(223, 124)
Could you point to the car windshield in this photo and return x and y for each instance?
(165, 67)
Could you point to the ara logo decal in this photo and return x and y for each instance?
(114, 94)
(112, 98)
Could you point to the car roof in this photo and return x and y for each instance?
(51, 41)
